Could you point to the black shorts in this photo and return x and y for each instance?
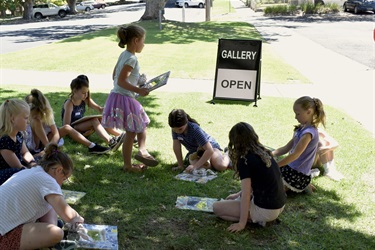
(294, 180)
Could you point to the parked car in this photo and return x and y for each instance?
(190, 3)
(96, 4)
(84, 7)
(358, 6)
(49, 9)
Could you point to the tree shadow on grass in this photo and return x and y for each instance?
(182, 33)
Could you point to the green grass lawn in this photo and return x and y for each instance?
(338, 216)
(176, 48)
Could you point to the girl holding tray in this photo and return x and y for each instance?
(122, 110)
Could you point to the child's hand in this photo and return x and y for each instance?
(177, 168)
(142, 80)
(233, 196)
(189, 169)
(236, 227)
(76, 221)
(143, 91)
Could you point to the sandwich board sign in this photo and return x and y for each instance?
(238, 70)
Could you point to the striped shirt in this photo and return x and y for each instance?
(194, 137)
(23, 198)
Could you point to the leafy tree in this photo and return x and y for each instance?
(152, 9)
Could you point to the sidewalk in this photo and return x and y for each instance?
(352, 92)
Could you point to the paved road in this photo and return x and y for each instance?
(347, 34)
(339, 79)
(21, 35)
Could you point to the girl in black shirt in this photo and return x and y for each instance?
(262, 196)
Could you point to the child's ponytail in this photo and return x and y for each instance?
(54, 156)
(320, 115)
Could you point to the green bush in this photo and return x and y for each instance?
(280, 10)
(309, 8)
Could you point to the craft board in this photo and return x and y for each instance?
(202, 177)
(158, 81)
(72, 197)
(85, 118)
(195, 203)
(104, 237)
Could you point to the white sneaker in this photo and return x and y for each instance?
(315, 172)
(331, 172)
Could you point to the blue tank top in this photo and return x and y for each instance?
(77, 113)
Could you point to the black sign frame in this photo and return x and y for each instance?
(238, 58)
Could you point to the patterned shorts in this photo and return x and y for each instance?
(12, 239)
(294, 180)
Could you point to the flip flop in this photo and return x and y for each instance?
(136, 168)
(147, 160)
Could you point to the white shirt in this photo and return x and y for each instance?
(126, 58)
(22, 198)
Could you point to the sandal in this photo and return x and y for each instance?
(148, 160)
(136, 168)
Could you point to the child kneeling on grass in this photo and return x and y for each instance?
(187, 132)
(302, 148)
(32, 199)
(262, 197)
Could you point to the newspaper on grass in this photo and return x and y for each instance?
(72, 197)
(198, 175)
(195, 203)
(90, 236)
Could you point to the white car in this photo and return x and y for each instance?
(96, 4)
(84, 7)
(190, 3)
(49, 9)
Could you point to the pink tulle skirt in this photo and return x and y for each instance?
(125, 113)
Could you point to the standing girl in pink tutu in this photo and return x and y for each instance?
(122, 110)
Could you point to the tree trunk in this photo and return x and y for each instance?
(28, 10)
(72, 6)
(152, 9)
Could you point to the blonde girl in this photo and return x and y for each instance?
(122, 110)
(43, 130)
(302, 148)
(74, 109)
(14, 155)
(32, 199)
(262, 197)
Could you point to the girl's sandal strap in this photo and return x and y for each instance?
(136, 168)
